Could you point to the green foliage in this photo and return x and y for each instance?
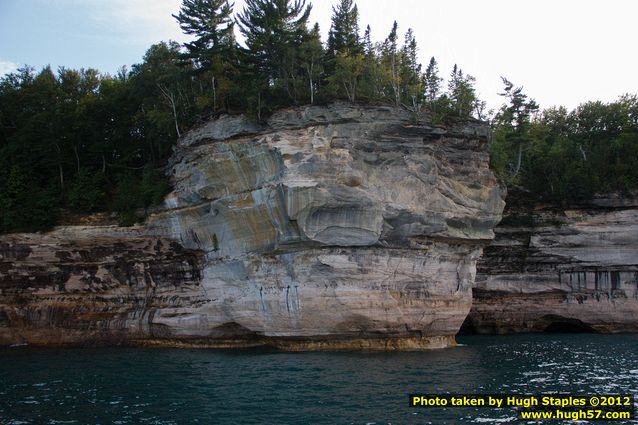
(127, 199)
(345, 80)
(513, 123)
(153, 187)
(442, 109)
(25, 205)
(371, 79)
(461, 93)
(211, 22)
(212, 57)
(87, 192)
(432, 82)
(311, 55)
(390, 63)
(564, 156)
(66, 136)
(137, 193)
(343, 37)
(274, 31)
(410, 76)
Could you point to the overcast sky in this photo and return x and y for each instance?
(563, 52)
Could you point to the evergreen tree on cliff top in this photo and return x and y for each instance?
(410, 75)
(344, 32)
(274, 31)
(514, 120)
(213, 52)
(210, 21)
(311, 54)
(462, 93)
(345, 63)
(390, 62)
(432, 81)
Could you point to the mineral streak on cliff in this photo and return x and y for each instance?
(333, 227)
(573, 269)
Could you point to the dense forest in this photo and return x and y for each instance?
(79, 141)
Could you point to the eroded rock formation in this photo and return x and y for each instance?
(548, 269)
(326, 228)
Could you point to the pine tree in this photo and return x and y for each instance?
(432, 81)
(274, 31)
(344, 32)
(370, 86)
(410, 72)
(213, 50)
(514, 118)
(311, 54)
(462, 93)
(210, 21)
(390, 60)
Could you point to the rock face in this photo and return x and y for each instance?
(560, 270)
(327, 228)
(91, 285)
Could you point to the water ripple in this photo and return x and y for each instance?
(170, 387)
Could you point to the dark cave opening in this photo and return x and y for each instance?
(570, 326)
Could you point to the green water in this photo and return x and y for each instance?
(161, 386)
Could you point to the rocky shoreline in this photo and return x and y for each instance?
(340, 227)
(327, 228)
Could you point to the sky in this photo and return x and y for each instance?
(563, 52)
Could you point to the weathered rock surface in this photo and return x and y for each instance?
(560, 270)
(92, 285)
(326, 228)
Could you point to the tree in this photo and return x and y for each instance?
(410, 72)
(274, 31)
(462, 93)
(390, 60)
(160, 76)
(25, 203)
(348, 71)
(87, 193)
(432, 81)
(514, 119)
(371, 79)
(311, 53)
(344, 30)
(368, 47)
(210, 21)
(77, 90)
(213, 50)
(65, 137)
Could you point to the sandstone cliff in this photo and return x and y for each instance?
(573, 269)
(325, 228)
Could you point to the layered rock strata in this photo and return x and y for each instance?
(564, 270)
(326, 228)
(92, 285)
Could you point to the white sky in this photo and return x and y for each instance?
(562, 51)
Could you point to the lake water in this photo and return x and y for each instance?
(162, 386)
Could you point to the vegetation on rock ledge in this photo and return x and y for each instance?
(564, 157)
